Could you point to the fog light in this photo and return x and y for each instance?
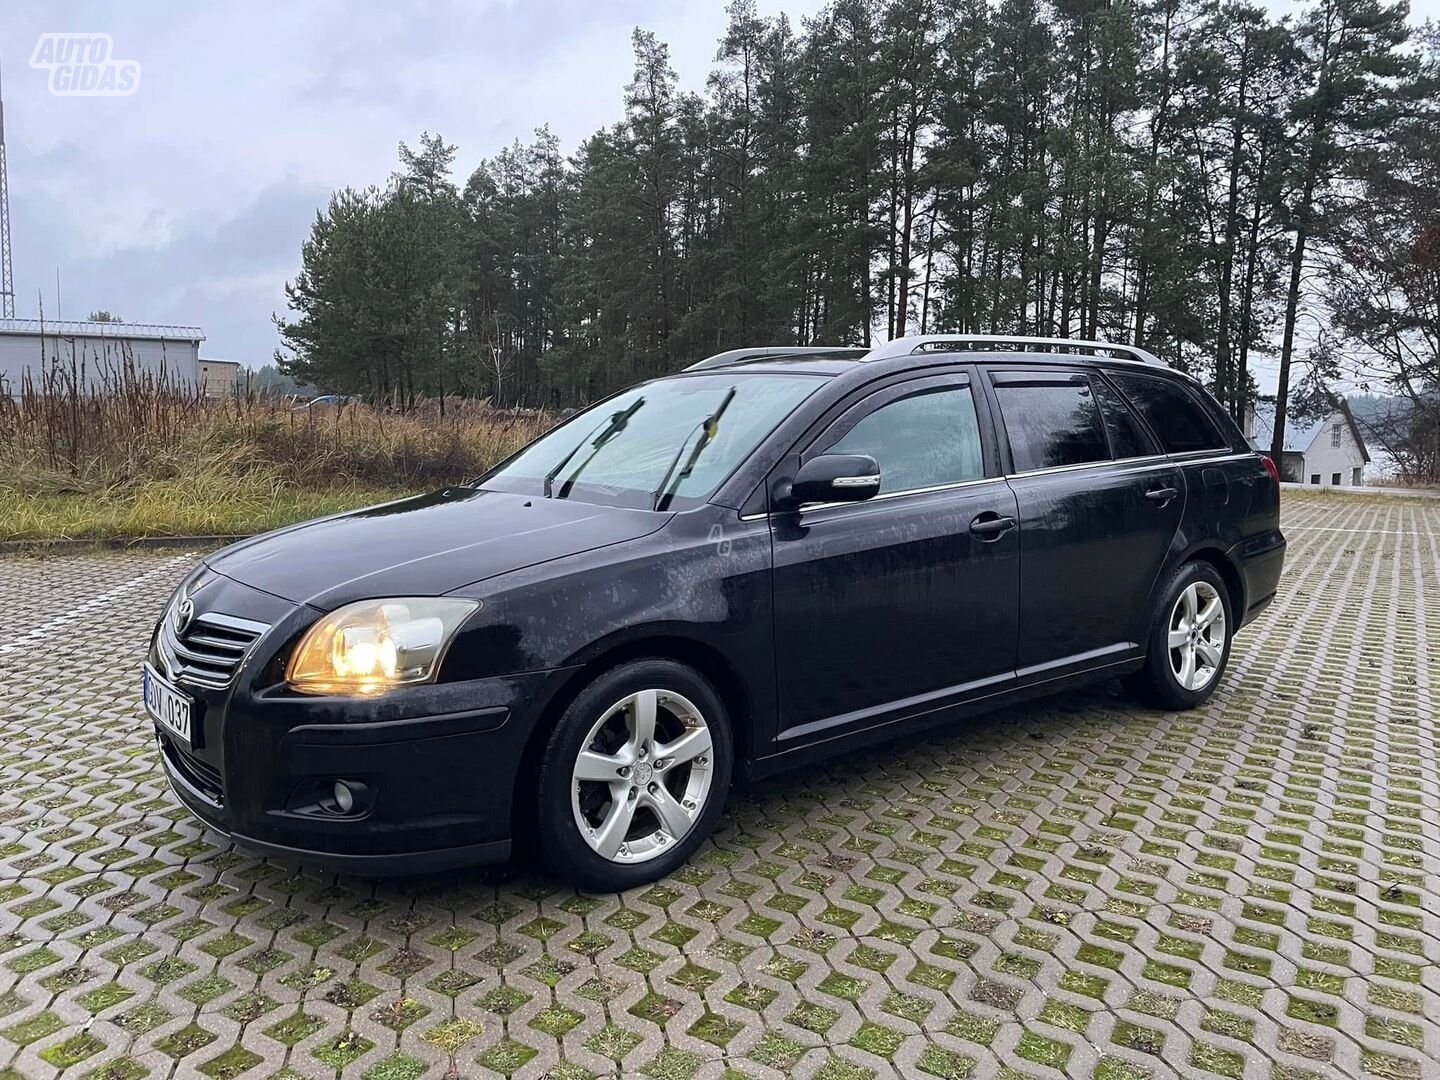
(344, 797)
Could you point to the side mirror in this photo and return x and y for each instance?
(835, 478)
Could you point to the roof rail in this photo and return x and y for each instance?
(909, 346)
(766, 352)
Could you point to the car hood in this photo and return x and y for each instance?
(424, 546)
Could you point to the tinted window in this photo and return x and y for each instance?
(1052, 424)
(1126, 438)
(924, 440)
(1171, 412)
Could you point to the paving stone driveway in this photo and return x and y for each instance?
(1077, 888)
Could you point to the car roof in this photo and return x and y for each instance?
(790, 365)
(830, 367)
(925, 351)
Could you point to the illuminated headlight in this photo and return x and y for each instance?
(376, 645)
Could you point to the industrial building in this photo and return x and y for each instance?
(96, 354)
(219, 378)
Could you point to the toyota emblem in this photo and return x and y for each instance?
(184, 615)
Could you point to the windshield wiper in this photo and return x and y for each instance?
(608, 430)
(659, 497)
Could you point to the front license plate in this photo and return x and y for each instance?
(167, 706)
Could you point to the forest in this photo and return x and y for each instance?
(1204, 179)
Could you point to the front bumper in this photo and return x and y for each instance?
(434, 767)
(374, 864)
(437, 799)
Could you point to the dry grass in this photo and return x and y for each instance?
(135, 455)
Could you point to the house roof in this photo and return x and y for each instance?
(1299, 435)
(87, 329)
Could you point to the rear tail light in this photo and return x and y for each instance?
(1270, 467)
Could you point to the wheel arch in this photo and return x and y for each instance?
(707, 660)
(1229, 573)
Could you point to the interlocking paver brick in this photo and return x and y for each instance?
(1079, 887)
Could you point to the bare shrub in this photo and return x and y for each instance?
(72, 430)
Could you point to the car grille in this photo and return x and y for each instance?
(209, 650)
(201, 776)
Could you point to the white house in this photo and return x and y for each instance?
(1324, 453)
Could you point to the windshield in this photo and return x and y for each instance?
(666, 444)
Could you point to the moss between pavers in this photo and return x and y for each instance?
(777, 1051)
(507, 1057)
(1062, 1014)
(340, 1051)
(1043, 1051)
(756, 997)
(72, 1051)
(397, 1066)
(450, 1035)
(186, 1041)
(1215, 1059)
(1135, 1037)
(877, 1039)
(946, 1064)
(231, 1063)
(613, 1041)
(716, 1029)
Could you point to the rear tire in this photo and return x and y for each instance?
(1189, 641)
(634, 776)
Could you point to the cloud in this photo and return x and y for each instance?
(188, 202)
(226, 274)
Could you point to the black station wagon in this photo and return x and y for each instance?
(777, 554)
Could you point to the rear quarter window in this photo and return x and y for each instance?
(1178, 420)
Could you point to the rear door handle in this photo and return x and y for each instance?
(990, 526)
(1162, 495)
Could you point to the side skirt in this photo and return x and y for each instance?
(903, 724)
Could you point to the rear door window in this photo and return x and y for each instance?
(1172, 412)
(1050, 421)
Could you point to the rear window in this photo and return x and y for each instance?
(1172, 412)
(1051, 423)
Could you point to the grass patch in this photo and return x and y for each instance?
(134, 456)
(235, 506)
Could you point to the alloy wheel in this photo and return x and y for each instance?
(643, 776)
(1197, 635)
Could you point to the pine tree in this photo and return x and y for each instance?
(1349, 48)
(1158, 171)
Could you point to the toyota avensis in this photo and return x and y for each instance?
(774, 555)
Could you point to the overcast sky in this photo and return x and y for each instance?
(187, 202)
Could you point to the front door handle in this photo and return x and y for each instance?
(990, 526)
(1162, 495)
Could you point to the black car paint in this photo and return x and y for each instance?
(426, 545)
(824, 628)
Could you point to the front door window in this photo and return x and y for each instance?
(926, 439)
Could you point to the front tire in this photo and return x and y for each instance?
(634, 776)
(1189, 642)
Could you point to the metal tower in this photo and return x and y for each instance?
(7, 273)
